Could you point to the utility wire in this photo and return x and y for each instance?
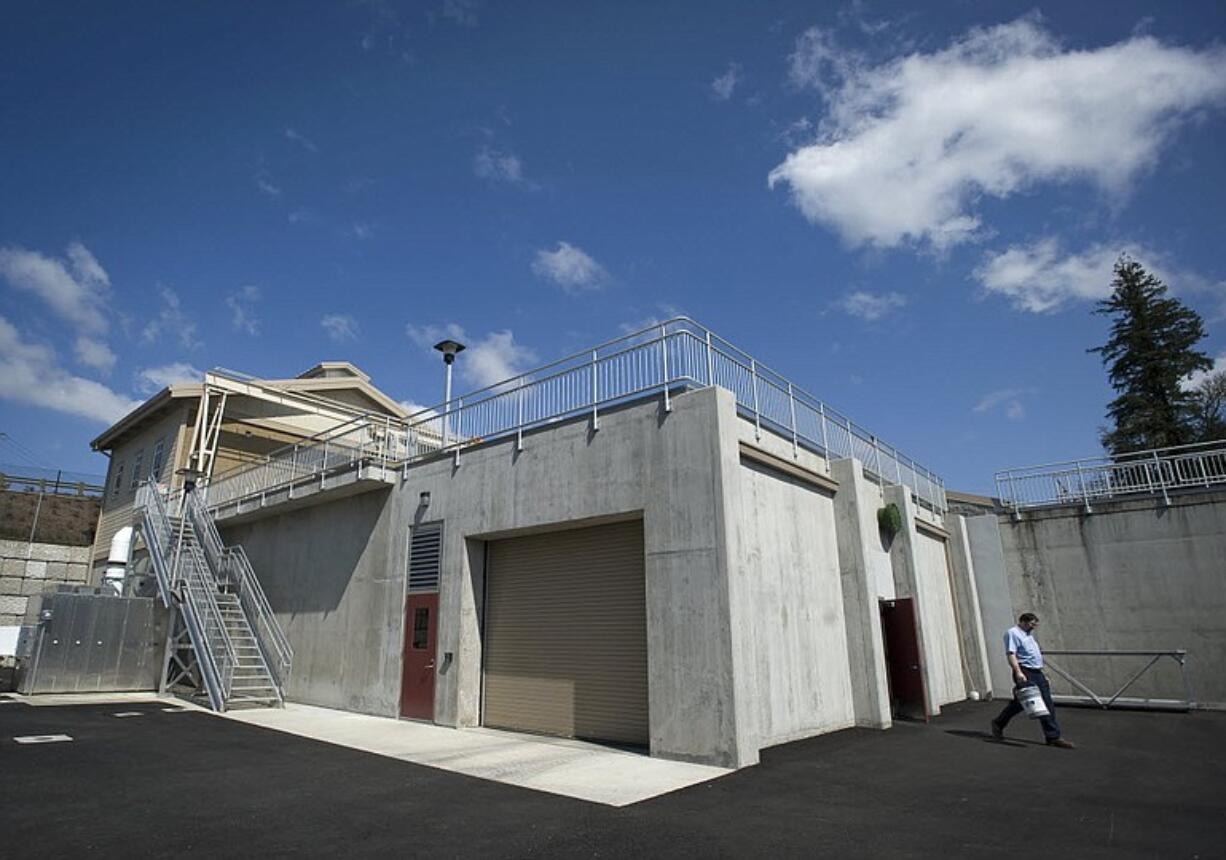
(22, 451)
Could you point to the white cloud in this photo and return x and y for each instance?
(29, 373)
(1041, 277)
(417, 411)
(362, 230)
(94, 353)
(494, 358)
(497, 165)
(301, 140)
(871, 306)
(151, 380)
(485, 361)
(462, 12)
(570, 268)
(75, 288)
(340, 327)
(428, 335)
(1009, 400)
(908, 146)
(666, 313)
(1195, 379)
(242, 309)
(263, 181)
(724, 85)
(171, 321)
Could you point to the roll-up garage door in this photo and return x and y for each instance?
(566, 634)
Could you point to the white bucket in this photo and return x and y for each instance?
(1031, 700)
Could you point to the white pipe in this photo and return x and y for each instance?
(117, 559)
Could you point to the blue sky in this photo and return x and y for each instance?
(906, 208)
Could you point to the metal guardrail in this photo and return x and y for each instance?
(28, 479)
(678, 354)
(231, 566)
(1117, 698)
(184, 580)
(368, 439)
(665, 358)
(1153, 472)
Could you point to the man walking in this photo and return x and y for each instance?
(1026, 662)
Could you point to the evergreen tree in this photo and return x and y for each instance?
(1150, 351)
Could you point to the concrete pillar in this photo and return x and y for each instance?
(996, 609)
(859, 539)
(904, 559)
(975, 664)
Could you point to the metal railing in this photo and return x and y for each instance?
(367, 439)
(672, 356)
(1117, 699)
(678, 354)
(184, 580)
(30, 479)
(232, 568)
(1155, 472)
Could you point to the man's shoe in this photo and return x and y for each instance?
(997, 732)
(1062, 744)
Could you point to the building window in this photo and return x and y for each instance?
(155, 465)
(421, 628)
(115, 487)
(137, 462)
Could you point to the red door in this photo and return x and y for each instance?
(417, 682)
(902, 658)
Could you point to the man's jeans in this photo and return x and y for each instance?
(1051, 729)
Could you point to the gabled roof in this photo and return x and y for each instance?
(338, 382)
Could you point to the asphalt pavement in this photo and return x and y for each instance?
(160, 782)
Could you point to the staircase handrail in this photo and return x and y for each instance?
(201, 614)
(278, 653)
(233, 564)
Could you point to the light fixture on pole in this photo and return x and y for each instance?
(450, 349)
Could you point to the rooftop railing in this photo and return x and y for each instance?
(1083, 482)
(671, 356)
(665, 358)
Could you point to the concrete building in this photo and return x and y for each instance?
(657, 542)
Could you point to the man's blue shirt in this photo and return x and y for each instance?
(1021, 643)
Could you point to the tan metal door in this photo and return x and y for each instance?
(566, 634)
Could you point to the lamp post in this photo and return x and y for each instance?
(450, 349)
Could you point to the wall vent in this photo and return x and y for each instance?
(425, 557)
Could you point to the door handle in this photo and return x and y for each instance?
(430, 665)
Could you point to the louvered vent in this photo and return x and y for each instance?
(425, 557)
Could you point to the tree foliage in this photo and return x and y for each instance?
(1210, 407)
(1149, 355)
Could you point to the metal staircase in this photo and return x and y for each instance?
(226, 645)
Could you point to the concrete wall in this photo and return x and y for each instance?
(1131, 575)
(334, 576)
(921, 573)
(995, 605)
(671, 469)
(936, 606)
(27, 569)
(975, 660)
(787, 605)
(867, 578)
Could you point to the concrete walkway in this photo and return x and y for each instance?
(571, 768)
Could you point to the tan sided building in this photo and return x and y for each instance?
(243, 421)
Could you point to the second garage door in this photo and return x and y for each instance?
(566, 634)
